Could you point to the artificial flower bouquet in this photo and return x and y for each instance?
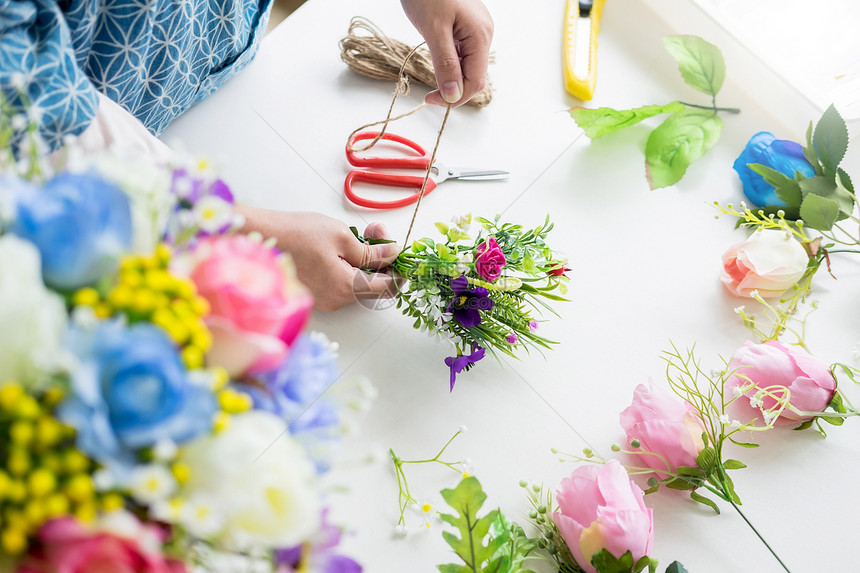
(479, 294)
(161, 406)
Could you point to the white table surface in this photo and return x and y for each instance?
(645, 272)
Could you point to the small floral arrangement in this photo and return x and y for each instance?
(479, 294)
(160, 400)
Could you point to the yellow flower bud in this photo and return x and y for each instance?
(127, 264)
(21, 432)
(56, 505)
(80, 488)
(34, 513)
(5, 484)
(75, 462)
(121, 296)
(18, 462)
(102, 310)
(221, 377)
(193, 357)
(13, 540)
(53, 396)
(143, 300)
(181, 472)
(10, 394)
(41, 482)
(200, 306)
(163, 253)
(85, 297)
(27, 408)
(184, 288)
(86, 511)
(178, 332)
(49, 431)
(53, 462)
(17, 491)
(157, 279)
(200, 336)
(112, 502)
(162, 300)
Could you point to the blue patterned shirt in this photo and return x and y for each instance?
(156, 58)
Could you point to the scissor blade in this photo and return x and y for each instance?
(477, 175)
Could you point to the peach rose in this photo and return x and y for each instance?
(770, 262)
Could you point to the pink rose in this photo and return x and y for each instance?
(770, 262)
(258, 305)
(600, 508)
(490, 260)
(663, 425)
(67, 546)
(775, 367)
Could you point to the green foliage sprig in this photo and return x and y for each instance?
(689, 131)
(827, 197)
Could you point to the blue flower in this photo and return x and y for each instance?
(467, 303)
(463, 362)
(294, 392)
(130, 391)
(779, 154)
(81, 225)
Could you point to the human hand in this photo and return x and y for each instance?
(327, 255)
(458, 34)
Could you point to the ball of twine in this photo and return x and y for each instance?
(369, 52)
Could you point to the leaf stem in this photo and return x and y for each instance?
(713, 107)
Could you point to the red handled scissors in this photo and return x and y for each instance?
(419, 162)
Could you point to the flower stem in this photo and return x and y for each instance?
(769, 548)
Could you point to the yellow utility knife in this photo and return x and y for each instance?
(581, 24)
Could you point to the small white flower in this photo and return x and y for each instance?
(769, 417)
(18, 80)
(186, 218)
(735, 424)
(463, 428)
(724, 419)
(182, 187)
(103, 480)
(200, 515)
(400, 531)
(168, 511)
(737, 392)
(19, 122)
(151, 483)
(164, 450)
(739, 309)
(212, 213)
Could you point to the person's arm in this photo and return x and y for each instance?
(458, 34)
(328, 258)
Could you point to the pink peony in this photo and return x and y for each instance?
(67, 546)
(769, 262)
(490, 260)
(599, 507)
(663, 425)
(258, 305)
(776, 367)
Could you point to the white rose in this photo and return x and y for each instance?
(147, 185)
(262, 479)
(33, 318)
(769, 262)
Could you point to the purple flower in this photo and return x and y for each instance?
(512, 338)
(319, 553)
(468, 303)
(460, 363)
(533, 326)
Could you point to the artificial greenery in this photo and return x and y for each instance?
(689, 131)
(826, 198)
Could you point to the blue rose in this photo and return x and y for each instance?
(81, 225)
(779, 154)
(130, 391)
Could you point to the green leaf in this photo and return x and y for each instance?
(677, 142)
(730, 489)
(701, 63)
(803, 426)
(837, 404)
(743, 444)
(467, 498)
(704, 501)
(604, 120)
(833, 420)
(606, 562)
(707, 460)
(734, 464)
(819, 212)
(844, 180)
(828, 188)
(676, 567)
(830, 139)
(786, 188)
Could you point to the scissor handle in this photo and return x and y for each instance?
(422, 161)
(389, 179)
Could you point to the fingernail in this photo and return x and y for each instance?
(450, 92)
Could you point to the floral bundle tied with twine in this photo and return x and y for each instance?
(369, 52)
